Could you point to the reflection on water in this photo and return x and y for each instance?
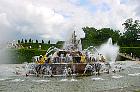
(97, 78)
(17, 80)
(64, 80)
(40, 80)
(135, 74)
(69, 80)
(125, 80)
(73, 79)
(117, 76)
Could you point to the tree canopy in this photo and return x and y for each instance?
(130, 36)
(96, 37)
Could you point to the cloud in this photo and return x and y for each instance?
(56, 19)
(137, 6)
(116, 14)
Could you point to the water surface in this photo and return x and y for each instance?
(127, 80)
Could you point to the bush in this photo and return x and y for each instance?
(25, 55)
(129, 50)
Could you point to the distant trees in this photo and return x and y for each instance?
(22, 41)
(130, 36)
(42, 41)
(98, 36)
(25, 40)
(49, 42)
(95, 36)
(106, 33)
(18, 41)
(30, 40)
(36, 41)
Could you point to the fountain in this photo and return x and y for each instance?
(109, 50)
(72, 59)
(72, 63)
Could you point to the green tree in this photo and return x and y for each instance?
(25, 40)
(49, 42)
(22, 41)
(36, 41)
(90, 37)
(30, 40)
(131, 28)
(106, 33)
(96, 37)
(42, 41)
(18, 41)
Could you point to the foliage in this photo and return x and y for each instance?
(49, 42)
(25, 40)
(22, 41)
(134, 50)
(130, 36)
(36, 45)
(96, 37)
(42, 41)
(25, 55)
(30, 40)
(36, 41)
(18, 41)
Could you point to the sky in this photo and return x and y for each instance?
(57, 19)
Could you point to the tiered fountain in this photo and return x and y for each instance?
(72, 57)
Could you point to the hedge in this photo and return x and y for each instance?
(25, 55)
(129, 50)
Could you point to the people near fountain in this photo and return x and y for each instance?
(87, 56)
(69, 71)
(102, 58)
(131, 55)
(62, 58)
(78, 58)
(55, 58)
(71, 58)
(93, 59)
(98, 58)
(88, 67)
(65, 71)
(37, 59)
(67, 58)
(47, 61)
(97, 66)
(125, 54)
(83, 59)
(108, 66)
(41, 60)
(90, 59)
(50, 56)
(48, 70)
